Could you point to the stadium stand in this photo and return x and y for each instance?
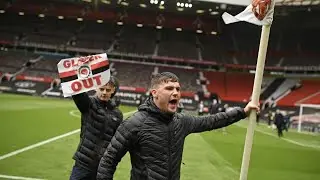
(95, 36)
(283, 86)
(137, 40)
(211, 48)
(133, 75)
(216, 83)
(308, 87)
(188, 78)
(15, 59)
(311, 99)
(230, 86)
(234, 46)
(8, 69)
(239, 86)
(178, 44)
(230, 46)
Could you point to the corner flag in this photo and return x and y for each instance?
(260, 12)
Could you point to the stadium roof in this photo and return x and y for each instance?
(278, 2)
(234, 2)
(189, 8)
(231, 2)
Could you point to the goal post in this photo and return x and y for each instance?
(308, 114)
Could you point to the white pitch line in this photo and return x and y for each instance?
(296, 132)
(218, 156)
(288, 140)
(49, 140)
(73, 113)
(18, 177)
(38, 144)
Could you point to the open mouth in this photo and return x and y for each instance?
(173, 101)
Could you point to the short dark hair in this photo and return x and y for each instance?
(159, 78)
(115, 83)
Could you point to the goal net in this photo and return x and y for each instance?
(308, 118)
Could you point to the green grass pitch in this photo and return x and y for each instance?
(27, 120)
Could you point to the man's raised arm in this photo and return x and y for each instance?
(82, 101)
(196, 124)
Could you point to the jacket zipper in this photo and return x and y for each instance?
(169, 148)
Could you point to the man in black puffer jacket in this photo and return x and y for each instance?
(99, 120)
(155, 134)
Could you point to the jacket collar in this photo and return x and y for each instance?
(150, 107)
(106, 104)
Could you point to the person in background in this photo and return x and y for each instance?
(270, 118)
(200, 108)
(100, 118)
(286, 121)
(258, 118)
(279, 122)
(214, 107)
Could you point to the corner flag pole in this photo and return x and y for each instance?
(255, 99)
(258, 13)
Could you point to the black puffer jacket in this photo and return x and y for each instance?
(155, 141)
(99, 121)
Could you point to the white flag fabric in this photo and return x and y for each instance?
(83, 74)
(248, 14)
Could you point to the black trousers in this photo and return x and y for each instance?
(280, 134)
(80, 173)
